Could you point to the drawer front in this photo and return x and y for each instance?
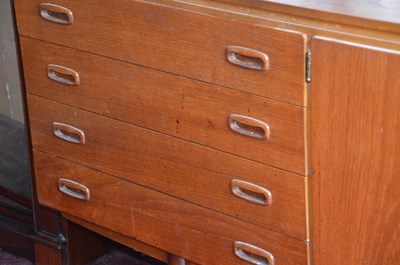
(198, 234)
(181, 107)
(182, 42)
(183, 169)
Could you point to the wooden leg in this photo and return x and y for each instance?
(46, 255)
(175, 260)
(84, 245)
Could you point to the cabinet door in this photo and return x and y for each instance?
(355, 138)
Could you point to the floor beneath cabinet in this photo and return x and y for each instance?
(114, 257)
(9, 259)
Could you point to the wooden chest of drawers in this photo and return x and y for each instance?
(180, 42)
(164, 221)
(185, 125)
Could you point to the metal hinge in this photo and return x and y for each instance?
(308, 66)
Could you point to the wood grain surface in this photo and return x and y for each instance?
(177, 41)
(122, 239)
(356, 153)
(178, 106)
(176, 226)
(168, 164)
(380, 15)
(146, 249)
(45, 255)
(308, 21)
(380, 10)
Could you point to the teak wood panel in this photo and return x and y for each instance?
(171, 165)
(355, 153)
(120, 238)
(177, 41)
(178, 106)
(193, 232)
(379, 15)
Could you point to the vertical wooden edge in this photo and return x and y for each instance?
(308, 194)
(311, 220)
(308, 156)
(45, 255)
(307, 150)
(306, 91)
(308, 189)
(44, 218)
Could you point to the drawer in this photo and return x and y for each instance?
(177, 167)
(196, 233)
(170, 104)
(178, 41)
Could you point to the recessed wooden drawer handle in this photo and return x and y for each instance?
(74, 189)
(252, 254)
(251, 192)
(249, 126)
(57, 14)
(68, 133)
(247, 58)
(63, 75)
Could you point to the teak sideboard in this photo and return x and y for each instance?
(218, 132)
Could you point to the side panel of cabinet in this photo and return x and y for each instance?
(355, 154)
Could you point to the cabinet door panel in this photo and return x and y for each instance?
(356, 153)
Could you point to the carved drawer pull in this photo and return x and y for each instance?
(74, 189)
(247, 58)
(56, 14)
(253, 254)
(68, 133)
(63, 75)
(251, 192)
(249, 126)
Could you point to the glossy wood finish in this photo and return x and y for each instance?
(190, 231)
(178, 106)
(183, 169)
(164, 38)
(356, 153)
